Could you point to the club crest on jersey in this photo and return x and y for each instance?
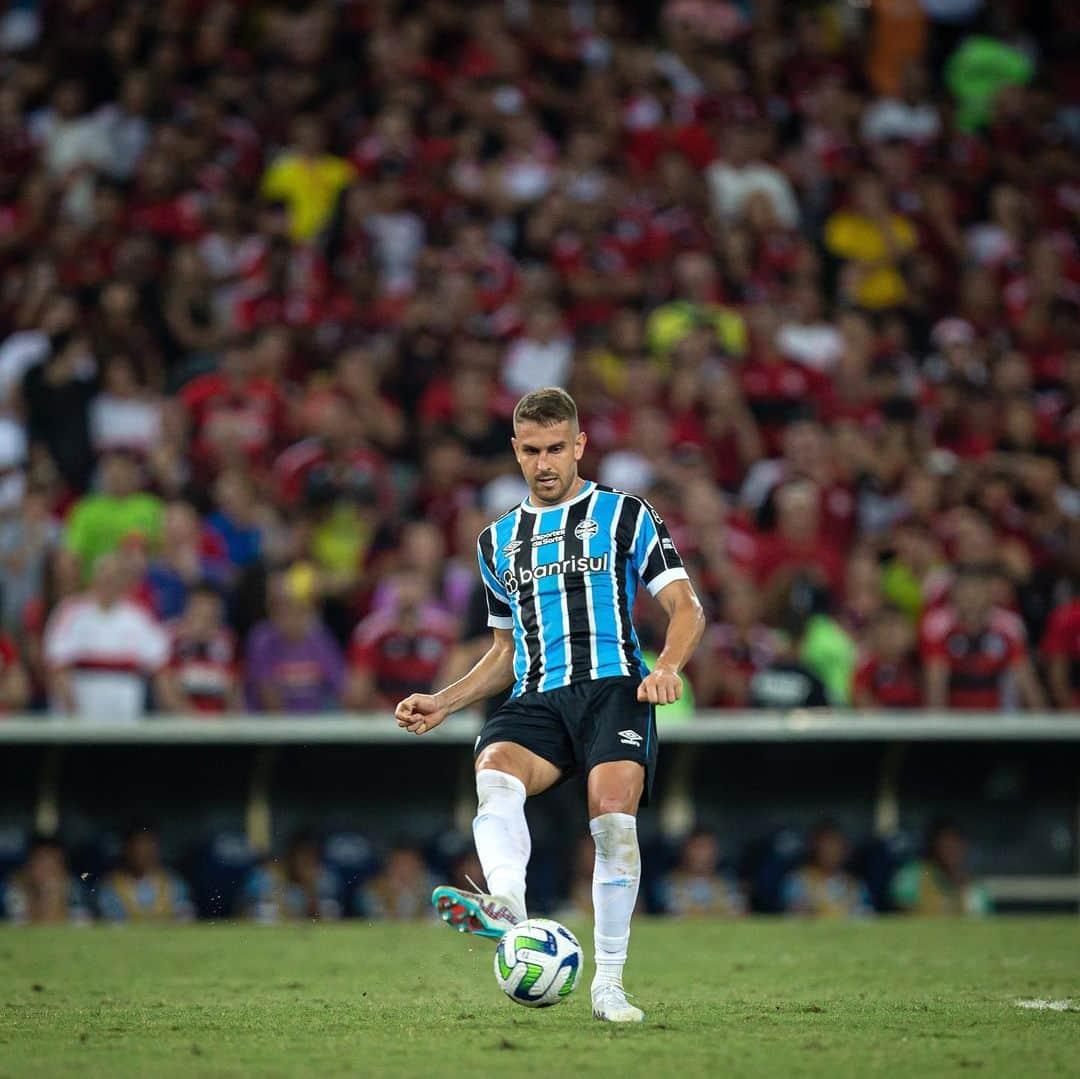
(512, 548)
(586, 529)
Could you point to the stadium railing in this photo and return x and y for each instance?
(895, 730)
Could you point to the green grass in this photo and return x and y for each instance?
(770, 998)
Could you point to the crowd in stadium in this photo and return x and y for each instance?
(274, 273)
(340, 876)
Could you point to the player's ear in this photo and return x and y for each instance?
(579, 445)
(514, 443)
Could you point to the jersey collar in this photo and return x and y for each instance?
(590, 486)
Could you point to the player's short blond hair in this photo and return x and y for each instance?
(546, 406)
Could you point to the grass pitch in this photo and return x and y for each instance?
(753, 998)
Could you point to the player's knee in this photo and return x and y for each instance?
(495, 759)
(618, 800)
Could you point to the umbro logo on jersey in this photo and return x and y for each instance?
(512, 548)
(630, 738)
(586, 529)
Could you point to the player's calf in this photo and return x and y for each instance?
(616, 878)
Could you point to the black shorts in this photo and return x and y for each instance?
(580, 726)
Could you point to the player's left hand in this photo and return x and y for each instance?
(660, 686)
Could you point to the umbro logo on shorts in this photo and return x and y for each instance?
(630, 738)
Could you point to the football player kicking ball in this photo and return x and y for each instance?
(560, 571)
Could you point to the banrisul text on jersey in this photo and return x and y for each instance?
(564, 580)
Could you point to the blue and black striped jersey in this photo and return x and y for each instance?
(564, 579)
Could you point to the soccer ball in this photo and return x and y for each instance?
(538, 962)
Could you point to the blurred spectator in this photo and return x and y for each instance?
(916, 576)
(307, 178)
(873, 242)
(292, 663)
(28, 539)
(941, 883)
(977, 73)
(541, 356)
(822, 887)
(974, 653)
(735, 648)
(98, 522)
(696, 305)
(101, 647)
(238, 518)
(235, 415)
(787, 683)
(798, 548)
(204, 668)
(697, 887)
(402, 891)
(744, 172)
(141, 889)
(399, 650)
(1061, 647)
(56, 397)
(299, 886)
(189, 554)
(125, 415)
(888, 675)
(44, 891)
(819, 642)
(833, 256)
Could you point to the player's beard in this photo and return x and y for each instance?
(552, 493)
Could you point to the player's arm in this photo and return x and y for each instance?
(686, 624)
(662, 572)
(494, 672)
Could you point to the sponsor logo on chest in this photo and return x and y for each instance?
(513, 579)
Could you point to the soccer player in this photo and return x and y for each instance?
(560, 571)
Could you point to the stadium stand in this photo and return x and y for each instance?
(274, 272)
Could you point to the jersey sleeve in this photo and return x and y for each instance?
(498, 602)
(658, 562)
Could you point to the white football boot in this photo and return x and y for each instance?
(609, 1004)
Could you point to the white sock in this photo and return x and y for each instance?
(502, 836)
(616, 876)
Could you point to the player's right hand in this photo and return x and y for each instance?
(419, 713)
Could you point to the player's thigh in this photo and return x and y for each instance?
(527, 739)
(536, 773)
(619, 747)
